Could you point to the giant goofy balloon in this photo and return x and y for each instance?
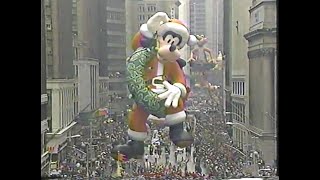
(157, 83)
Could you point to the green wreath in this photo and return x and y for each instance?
(140, 93)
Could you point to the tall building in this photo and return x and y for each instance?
(115, 61)
(86, 44)
(59, 39)
(237, 23)
(139, 11)
(206, 18)
(60, 72)
(262, 46)
(184, 16)
(44, 97)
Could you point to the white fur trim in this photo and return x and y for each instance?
(176, 118)
(137, 136)
(145, 32)
(192, 40)
(154, 22)
(158, 90)
(152, 117)
(182, 88)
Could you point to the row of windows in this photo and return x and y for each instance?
(239, 112)
(103, 85)
(115, 86)
(116, 16)
(66, 116)
(116, 39)
(238, 88)
(93, 94)
(116, 27)
(149, 8)
(76, 104)
(119, 4)
(143, 17)
(76, 71)
(43, 143)
(117, 51)
(67, 97)
(239, 136)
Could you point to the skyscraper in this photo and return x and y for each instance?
(262, 44)
(60, 73)
(237, 19)
(114, 65)
(44, 97)
(206, 18)
(86, 33)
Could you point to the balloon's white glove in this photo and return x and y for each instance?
(172, 95)
(154, 118)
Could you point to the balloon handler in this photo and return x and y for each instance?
(157, 83)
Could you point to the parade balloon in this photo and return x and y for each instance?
(156, 82)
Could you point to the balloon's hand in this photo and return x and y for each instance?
(172, 95)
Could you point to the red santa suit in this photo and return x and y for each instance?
(155, 74)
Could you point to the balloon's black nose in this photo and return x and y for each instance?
(172, 48)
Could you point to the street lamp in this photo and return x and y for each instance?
(243, 126)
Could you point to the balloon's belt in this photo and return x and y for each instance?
(156, 81)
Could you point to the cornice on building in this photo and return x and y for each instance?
(261, 52)
(259, 4)
(259, 32)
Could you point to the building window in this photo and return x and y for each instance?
(117, 51)
(43, 112)
(238, 88)
(116, 39)
(141, 8)
(92, 86)
(151, 8)
(239, 112)
(117, 86)
(76, 69)
(256, 17)
(115, 27)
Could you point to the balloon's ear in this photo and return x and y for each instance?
(156, 20)
(182, 63)
(145, 31)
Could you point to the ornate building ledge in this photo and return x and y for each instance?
(259, 32)
(261, 52)
(256, 4)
